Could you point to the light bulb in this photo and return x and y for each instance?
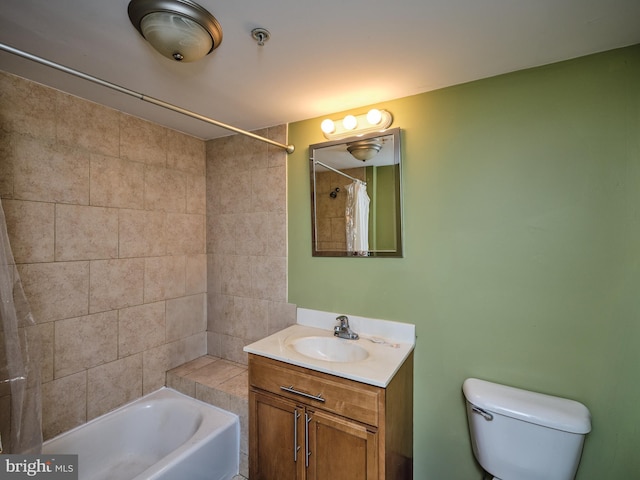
(327, 126)
(374, 116)
(349, 122)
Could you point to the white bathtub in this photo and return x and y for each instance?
(163, 435)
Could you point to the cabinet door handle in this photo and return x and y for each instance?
(307, 419)
(296, 416)
(290, 389)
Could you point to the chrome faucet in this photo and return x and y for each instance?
(343, 330)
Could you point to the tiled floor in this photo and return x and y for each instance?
(221, 383)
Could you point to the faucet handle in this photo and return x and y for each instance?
(344, 321)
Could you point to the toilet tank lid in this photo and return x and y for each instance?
(538, 408)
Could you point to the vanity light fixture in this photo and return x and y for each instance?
(180, 30)
(355, 125)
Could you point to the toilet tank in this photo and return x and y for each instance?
(521, 435)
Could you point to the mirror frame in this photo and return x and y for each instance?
(399, 233)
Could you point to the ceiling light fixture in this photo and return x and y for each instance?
(355, 125)
(179, 29)
(364, 149)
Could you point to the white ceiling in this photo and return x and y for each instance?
(323, 56)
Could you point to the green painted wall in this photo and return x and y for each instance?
(522, 236)
(381, 187)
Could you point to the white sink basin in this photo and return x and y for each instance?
(330, 349)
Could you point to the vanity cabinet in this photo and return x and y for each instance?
(308, 425)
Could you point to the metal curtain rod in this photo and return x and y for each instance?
(140, 96)
(318, 162)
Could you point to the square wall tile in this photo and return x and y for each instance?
(186, 316)
(84, 342)
(49, 172)
(196, 194)
(155, 363)
(277, 234)
(237, 275)
(251, 318)
(185, 153)
(281, 316)
(113, 384)
(142, 141)
(7, 158)
(140, 328)
(235, 192)
(185, 234)
(186, 349)
(268, 189)
(90, 126)
(116, 284)
(214, 344)
(116, 182)
(221, 313)
(231, 349)
(27, 107)
(214, 273)
(30, 226)
(164, 277)
(86, 233)
(251, 233)
(141, 233)
(196, 274)
(64, 404)
(269, 278)
(56, 290)
(221, 233)
(46, 347)
(165, 190)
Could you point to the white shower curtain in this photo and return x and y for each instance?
(357, 219)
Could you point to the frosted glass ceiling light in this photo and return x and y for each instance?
(356, 125)
(179, 29)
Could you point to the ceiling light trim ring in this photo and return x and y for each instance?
(364, 149)
(138, 9)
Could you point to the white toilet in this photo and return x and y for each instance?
(522, 435)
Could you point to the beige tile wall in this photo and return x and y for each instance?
(246, 242)
(107, 219)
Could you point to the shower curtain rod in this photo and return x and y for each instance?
(318, 162)
(140, 96)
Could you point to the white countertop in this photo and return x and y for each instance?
(383, 361)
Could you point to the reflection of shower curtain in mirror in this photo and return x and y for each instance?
(357, 219)
(20, 395)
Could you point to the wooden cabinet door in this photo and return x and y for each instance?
(276, 436)
(340, 449)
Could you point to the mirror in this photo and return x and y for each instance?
(355, 196)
